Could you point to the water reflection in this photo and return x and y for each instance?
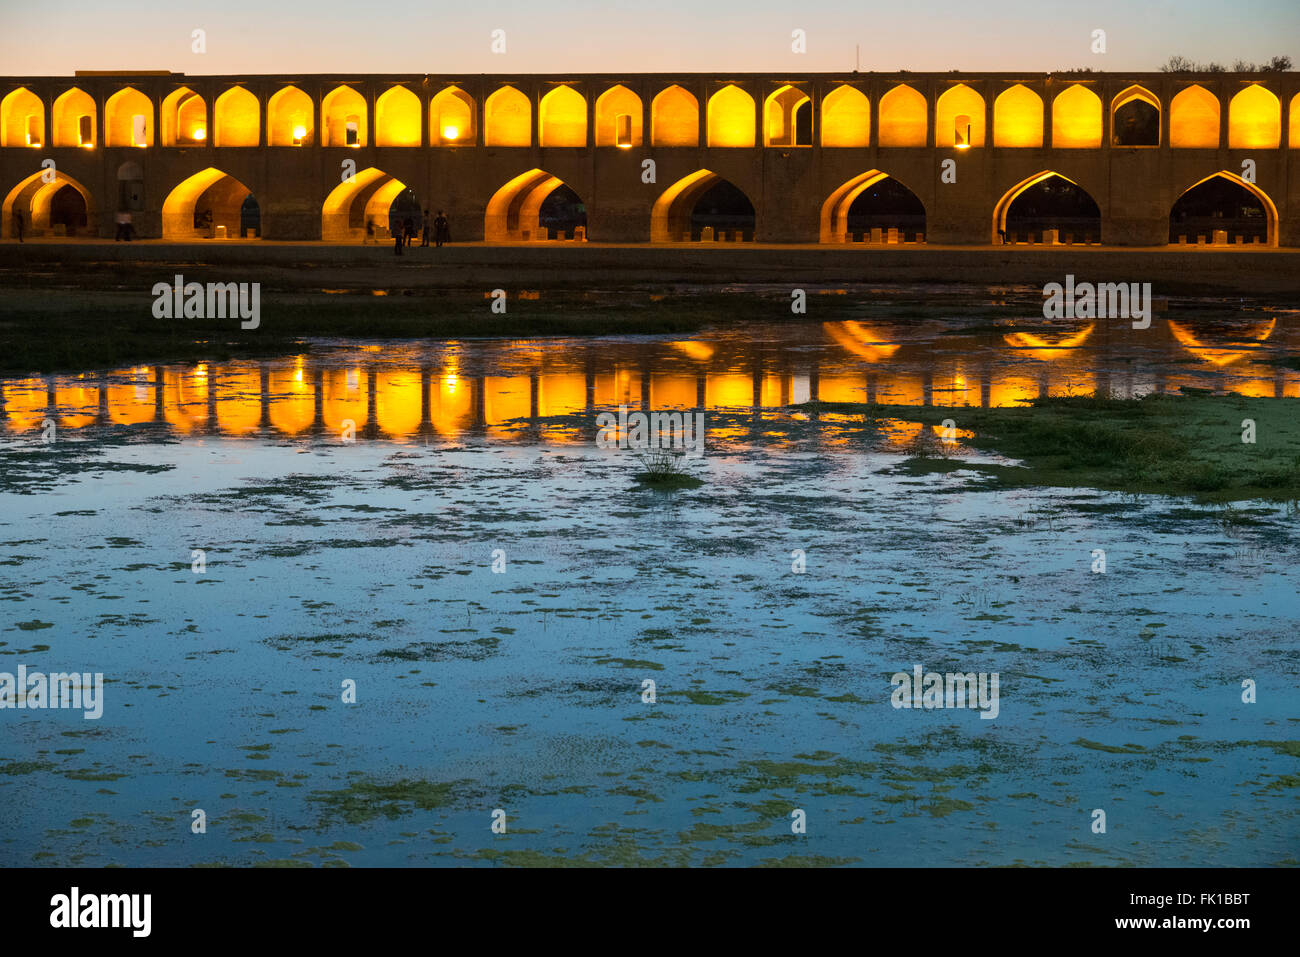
(508, 389)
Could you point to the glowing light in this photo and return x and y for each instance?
(450, 132)
(200, 133)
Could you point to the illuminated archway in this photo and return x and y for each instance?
(1076, 119)
(619, 120)
(959, 118)
(22, 119)
(1135, 118)
(290, 118)
(397, 118)
(1255, 119)
(451, 118)
(883, 203)
(1194, 119)
(1201, 210)
(787, 119)
(120, 124)
(202, 203)
(731, 118)
(183, 118)
(75, 119)
(514, 214)
(1293, 139)
(507, 119)
(1079, 217)
(903, 117)
(367, 198)
(35, 200)
(674, 118)
(1018, 118)
(237, 118)
(562, 116)
(846, 118)
(343, 118)
(671, 217)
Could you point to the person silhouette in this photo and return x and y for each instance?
(441, 229)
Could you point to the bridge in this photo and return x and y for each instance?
(909, 158)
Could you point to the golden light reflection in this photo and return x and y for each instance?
(1039, 347)
(701, 351)
(1217, 355)
(860, 340)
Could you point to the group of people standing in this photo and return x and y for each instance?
(404, 232)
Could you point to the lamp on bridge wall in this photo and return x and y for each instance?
(200, 134)
(961, 133)
(299, 134)
(623, 131)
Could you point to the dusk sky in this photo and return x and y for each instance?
(57, 37)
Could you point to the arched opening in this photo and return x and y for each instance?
(1255, 119)
(183, 118)
(618, 118)
(563, 116)
(846, 118)
(702, 207)
(1047, 208)
(959, 118)
(451, 118)
(787, 118)
(731, 118)
(289, 118)
(1076, 119)
(873, 207)
(674, 118)
(367, 199)
(343, 118)
(130, 187)
(22, 119)
(74, 119)
(903, 117)
(1194, 119)
(397, 118)
(1135, 118)
(1223, 209)
(507, 119)
(128, 119)
(405, 213)
(1018, 118)
(237, 118)
(515, 212)
(1293, 138)
(47, 209)
(208, 205)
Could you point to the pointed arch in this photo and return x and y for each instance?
(237, 118)
(367, 196)
(904, 116)
(846, 118)
(1009, 197)
(120, 111)
(1293, 136)
(619, 118)
(513, 211)
(22, 119)
(290, 118)
(343, 118)
(1194, 119)
(397, 118)
(33, 198)
(507, 119)
(75, 119)
(731, 118)
(958, 115)
(1255, 119)
(674, 118)
(183, 118)
(208, 191)
(784, 121)
(1018, 118)
(1076, 118)
(670, 217)
(835, 210)
(1270, 208)
(562, 116)
(1135, 118)
(451, 118)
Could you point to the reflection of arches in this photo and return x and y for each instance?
(184, 212)
(183, 118)
(1194, 119)
(787, 119)
(1255, 119)
(368, 196)
(731, 117)
(1076, 119)
(1018, 118)
(618, 118)
(120, 112)
(562, 116)
(674, 118)
(899, 215)
(903, 117)
(289, 118)
(74, 119)
(670, 217)
(1046, 348)
(22, 119)
(514, 210)
(862, 341)
(1221, 355)
(451, 118)
(846, 118)
(959, 118)
(343, 118)
(507, 119)
(35, 200)
(1185, 218)
(397, 118)
(237, 118)
(1135, 118)
(1093, 221)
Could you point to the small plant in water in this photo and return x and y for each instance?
(665, 469)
